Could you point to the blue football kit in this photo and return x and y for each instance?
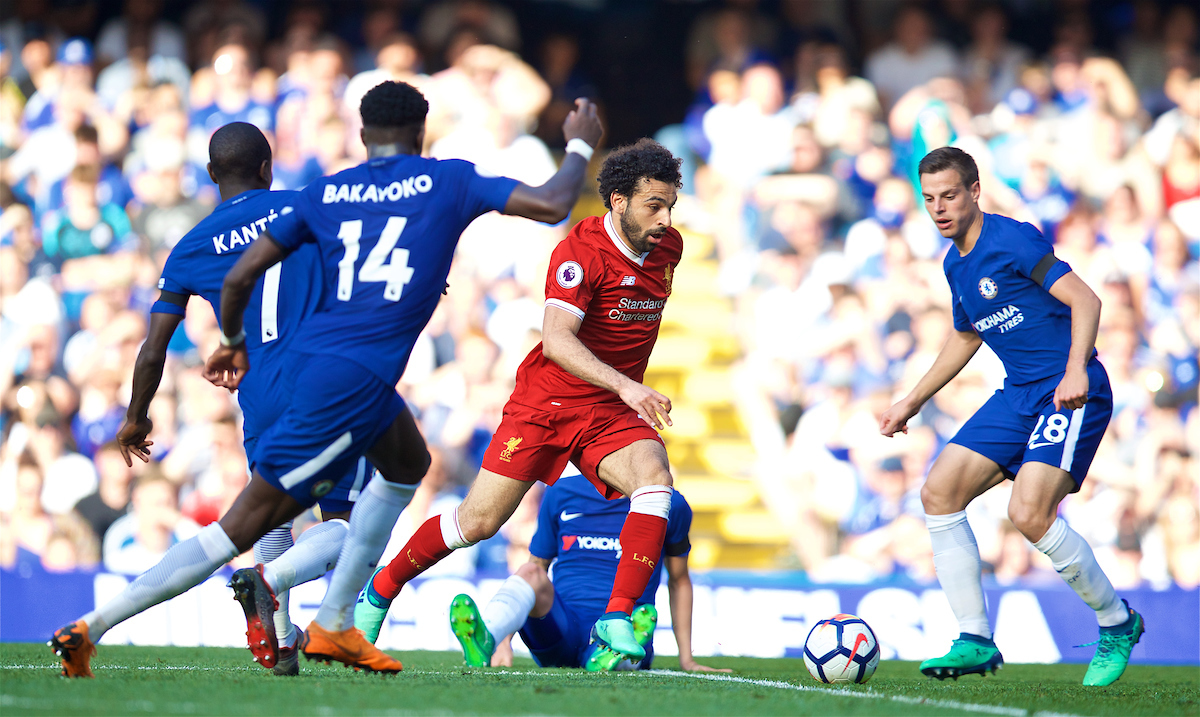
(289, 292)
(579, 530)
(385, 231)
(1001, 291)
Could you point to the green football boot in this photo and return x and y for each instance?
(969, 655)
(605, 659)
(644, 619)
(370, 610)
(467, 624)
(1112, 652)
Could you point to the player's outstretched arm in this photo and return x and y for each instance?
(563, 347)
(1072, 391)
(552, 201)
(958, 350)
(229, 364)
(679, 592)
(147, 374)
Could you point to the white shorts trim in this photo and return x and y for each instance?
(1068, 456)
(359, 477)
(296, 476)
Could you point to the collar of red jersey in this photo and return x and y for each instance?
(639, 259)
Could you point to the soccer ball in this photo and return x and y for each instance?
(841, 649)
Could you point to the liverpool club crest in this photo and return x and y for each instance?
(667, 279)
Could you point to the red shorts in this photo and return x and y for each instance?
(532, 444)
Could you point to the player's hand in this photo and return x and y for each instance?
(227, 366)
(896, 418)
(690, 665)
(132, 440)
(583, 123)
(503, 656)
(1072, 391)
(648, 403)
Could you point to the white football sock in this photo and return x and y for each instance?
(959, 570)
(267, 548)
(184, 566)
(315, 554)
(506, 612)
(371, 523)
(1073, 559)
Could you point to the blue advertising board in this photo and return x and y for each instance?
(735, 613)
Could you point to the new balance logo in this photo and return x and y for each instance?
(628, 280)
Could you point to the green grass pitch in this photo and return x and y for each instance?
(199, 681)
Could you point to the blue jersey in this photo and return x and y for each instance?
(289, 292)
(386, 231)
(1001, 291)
(580, 531)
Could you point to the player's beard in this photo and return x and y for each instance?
(637, 236)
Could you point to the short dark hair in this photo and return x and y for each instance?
(943, 158)
(393, 105)
(626, 166)
(237, 151)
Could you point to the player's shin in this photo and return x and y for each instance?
(1073, 559)
(266, 549)
(183, 567)
(435, 539)
(506, 612)
(371, 523)
(641, 545)
(959, 570)
(314, 554)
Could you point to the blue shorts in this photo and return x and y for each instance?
(344, 494)
(560, 638)
(1018, 425)
(338, 412)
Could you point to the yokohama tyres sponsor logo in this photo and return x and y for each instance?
(591, 542)
(1004, 319)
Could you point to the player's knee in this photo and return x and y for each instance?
(933, 501)
(477, 526)
(1029, 520)
(534, 575)
(409, 471)
(659, 475)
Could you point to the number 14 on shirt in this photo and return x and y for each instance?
(384, 263)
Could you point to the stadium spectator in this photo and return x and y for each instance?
(111, 500)
(490, 23)
(140, 24)
(913, 57)
(138, 540)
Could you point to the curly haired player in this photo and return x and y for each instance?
(579, 395)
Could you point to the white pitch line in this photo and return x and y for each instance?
(870, 695)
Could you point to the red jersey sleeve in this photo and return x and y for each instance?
(576, 271)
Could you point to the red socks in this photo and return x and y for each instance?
(641, 548)
(422, 550)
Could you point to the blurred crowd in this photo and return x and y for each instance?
(800, 151)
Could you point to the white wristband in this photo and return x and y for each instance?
(233, 340)
(583, 149)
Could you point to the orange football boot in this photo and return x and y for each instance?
(349, 647)
(72, 644)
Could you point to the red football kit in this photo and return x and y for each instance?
(553, 416)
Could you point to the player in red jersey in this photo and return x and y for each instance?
(579, 395)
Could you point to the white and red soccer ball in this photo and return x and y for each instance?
(841, 649)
